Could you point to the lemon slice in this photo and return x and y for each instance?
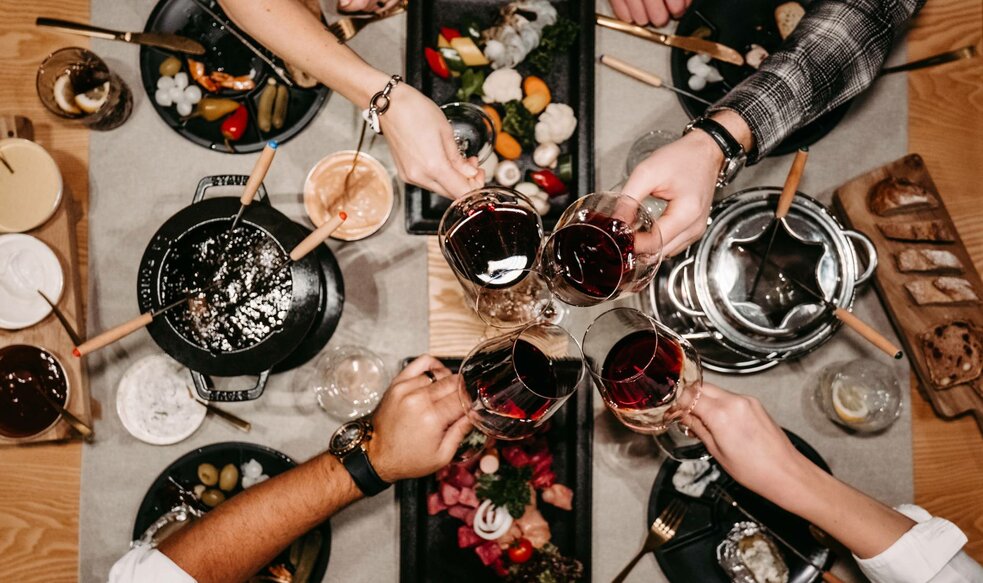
(849, 403)
(93, 99)
(65, 95)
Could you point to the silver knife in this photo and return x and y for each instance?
(161, 40)
(686, 43)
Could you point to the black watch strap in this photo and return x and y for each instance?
(363, 474)
(728, 145)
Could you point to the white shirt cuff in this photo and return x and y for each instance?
(143, 564)
(920, 554)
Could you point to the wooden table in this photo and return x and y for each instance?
(39, 485)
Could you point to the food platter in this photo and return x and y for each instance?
(223, 52)
(738, 25)
(428, 544)
(691, 554)
(570, 81)
(162, 496)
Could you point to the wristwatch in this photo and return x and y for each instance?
(348, 445)
(734, 155)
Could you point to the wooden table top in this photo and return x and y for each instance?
(39, 485)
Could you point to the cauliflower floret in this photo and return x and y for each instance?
(556, 124)
(502, 86)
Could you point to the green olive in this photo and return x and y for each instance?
(170, 67)
(229, 478)
(208, 474)
(213, 497)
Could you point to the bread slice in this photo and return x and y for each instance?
(942, 290)
(928, 261)
(953, 353)
(787, 17)
(933, 231)
(895, 196)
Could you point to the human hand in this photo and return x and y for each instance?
(423, 146)
(656, 12)
(419, 423)
(684, 173)
(748, 444)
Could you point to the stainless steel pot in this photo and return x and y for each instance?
(784, 321)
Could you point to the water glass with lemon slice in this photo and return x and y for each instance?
(863, 395)
(75, 84)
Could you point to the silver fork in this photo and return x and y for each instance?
(346, 28)
(661, 531)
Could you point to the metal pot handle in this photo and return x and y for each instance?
(671, 290)
(224, 180)
(203, 386)
(869, 249)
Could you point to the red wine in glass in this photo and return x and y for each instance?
(595, 255)
(641, 372)
(492, 239)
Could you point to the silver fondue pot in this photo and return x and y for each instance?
(781, 320)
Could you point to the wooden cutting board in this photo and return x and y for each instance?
(911, 320)
(454, 327)
(59, 234)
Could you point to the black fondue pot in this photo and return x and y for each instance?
(267, 321)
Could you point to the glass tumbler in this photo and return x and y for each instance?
(75, 84)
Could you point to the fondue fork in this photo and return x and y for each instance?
(74, 422)
(255, 180)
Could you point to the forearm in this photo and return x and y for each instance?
(289, 30)
(834, 54)
(234, 541)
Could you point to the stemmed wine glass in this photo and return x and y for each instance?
(474, 131)
(648, 376)
(516, 298)
(605, 244)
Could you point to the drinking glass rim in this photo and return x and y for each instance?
(483, 288)
(621, 275)
(442, 231)
(655, 328)
(493, 133)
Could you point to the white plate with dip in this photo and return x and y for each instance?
(26, 266)
(32, 193)
(154, 404)
(371, 194)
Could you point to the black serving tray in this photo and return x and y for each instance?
(692, 554)
(738, 25)
(428, 550)
(571, 81)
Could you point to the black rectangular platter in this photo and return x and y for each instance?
(571, 81)
(428, 551)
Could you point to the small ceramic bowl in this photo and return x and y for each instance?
(370, 198)
(29, 195)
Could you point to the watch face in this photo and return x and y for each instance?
(346, 437)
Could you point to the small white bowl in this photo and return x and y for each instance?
(31, 195)
(153, 402)
(27, 265)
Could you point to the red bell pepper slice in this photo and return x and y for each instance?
(549, 182)
(450, 33)
(437, 63)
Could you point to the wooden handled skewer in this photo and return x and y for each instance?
(864, 329)
(123, 330)
(255, 180)
(645, 76)
(791, 183)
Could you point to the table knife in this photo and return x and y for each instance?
(161, 40)
(686, 43)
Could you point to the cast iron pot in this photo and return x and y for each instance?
(257, 359)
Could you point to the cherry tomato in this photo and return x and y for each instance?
(521, 551)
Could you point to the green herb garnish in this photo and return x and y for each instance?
(471, 82)
(547, 565)
(507, 488)
(557, 38)
(519, 123)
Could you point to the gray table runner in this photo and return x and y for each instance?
(143, 172)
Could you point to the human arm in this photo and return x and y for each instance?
(753, 449)
(421, 140)
(643, 12)
(417, 429)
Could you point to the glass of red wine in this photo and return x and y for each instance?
(647, 375)
(512, 384)
(527, 301)
(605, 244)
(490, 237)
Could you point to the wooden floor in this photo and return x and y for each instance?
(39, 485)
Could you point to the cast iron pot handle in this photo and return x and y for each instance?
(671, 290)
(203, 386)
(224, 180)
(869, 249)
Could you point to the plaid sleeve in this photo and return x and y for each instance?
(835, 53)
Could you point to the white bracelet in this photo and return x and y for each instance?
(379, 104)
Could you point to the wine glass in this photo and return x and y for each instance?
(516, 298)
(474, 131)
(604, 245)
(648, 376)
(510, 385)
(488, 232)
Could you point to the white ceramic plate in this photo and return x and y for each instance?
(27, 265)
(153, 402)
(31, 195)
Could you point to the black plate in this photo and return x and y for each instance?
(692, 554)
(738, 25)
(428, 550)
(186, 18)
(161, 495)
(571, 81)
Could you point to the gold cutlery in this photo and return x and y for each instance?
(686, 43)
(661, 532)
(84, 430)
(346, 28)
(72, 334)
(210, 409)
(966, 52)
(161, 40)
